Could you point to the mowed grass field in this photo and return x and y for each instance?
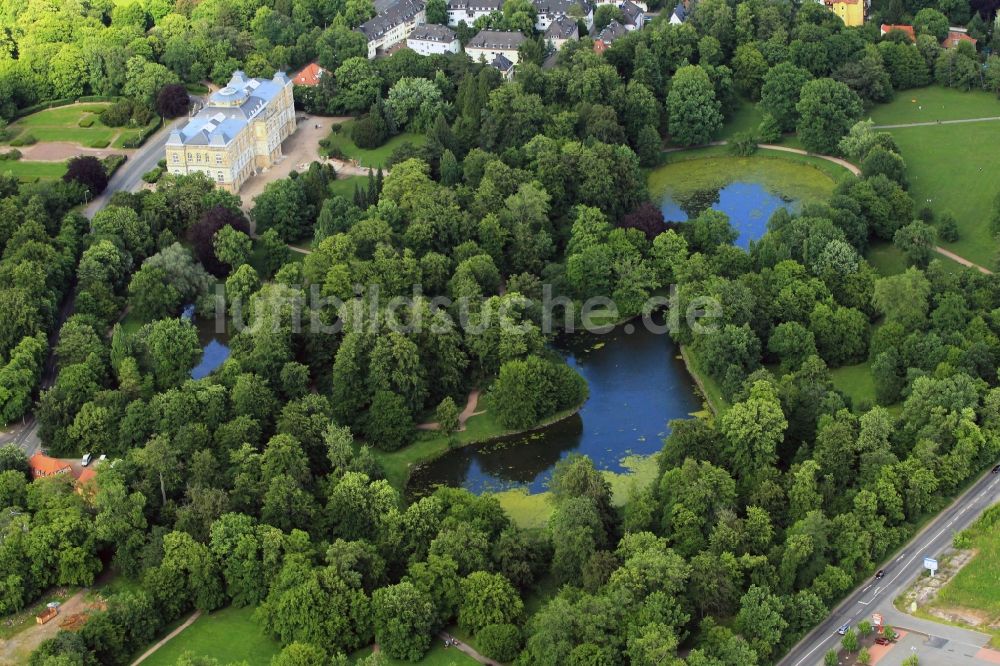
(62, 123)
(228, 635)
(977, 585)
(374, 157)
(952, 168)
(30, 171)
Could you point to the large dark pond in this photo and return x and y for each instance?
(637, 384)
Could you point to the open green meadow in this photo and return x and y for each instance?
(949, 166)
(373, 157)
(228, 635)
(28, 171)
(75, 123)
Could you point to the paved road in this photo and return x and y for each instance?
(878, 596)
(128, 178)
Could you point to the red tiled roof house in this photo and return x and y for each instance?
(908, 29)
(42, 465)
(309, 75)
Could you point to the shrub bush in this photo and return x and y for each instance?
(11, 155)
(112, 163)
(99, 143)
(86, 122)
(118, 114)
(500, 641)
(152, 175)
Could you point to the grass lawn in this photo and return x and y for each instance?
(948, 167)
(439, 655)
(886, 258)
(856, 381)
(709, 387)
(31, 171)
(374, 157)
(746, 117)
(950, 171)
(229, 635)
(62, 124)
(925, 105)
(344, 186)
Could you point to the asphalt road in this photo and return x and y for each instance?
(128, 178)
(877, 596)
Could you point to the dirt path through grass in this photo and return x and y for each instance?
(163, 641)
(931, 123)
(467, 413)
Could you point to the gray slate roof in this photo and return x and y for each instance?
(496, 39)
(612, 32)
(563, 27)
(680, 11)
(502, 63)
(632, 12)
(432, 32)
(398, 13)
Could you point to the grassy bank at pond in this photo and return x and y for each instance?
(532, 510)
(228, 635)
(778, 171)
(949, 168)
(369, 157)
(431, 444)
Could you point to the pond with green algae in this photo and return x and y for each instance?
(747, 189)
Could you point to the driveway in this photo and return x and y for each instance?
(300, 149)
(16, 649)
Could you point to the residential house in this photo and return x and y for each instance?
(42, 465)
(906, 29)
(308, 75)
(502, 64)
(956, 36)
(488, 44)
(393, 25)
(429, 38)
(606, 37)
(237, 132)
(549, 10)
(562, 30)
(851, 12)
(679, 15)
(635, 16)
(470, 10)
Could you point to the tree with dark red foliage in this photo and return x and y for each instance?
(89, 172)
(172, 100)
(647, 218)
(204, 230)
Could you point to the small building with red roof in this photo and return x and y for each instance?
(309, 75)
(908, 29)
(956, 36)
(42, 465)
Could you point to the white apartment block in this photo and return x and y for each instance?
(488, 44)
(393, 25)
(470, 10)
(429, 38)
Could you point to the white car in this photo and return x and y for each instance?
(844, 628)
(86, 459)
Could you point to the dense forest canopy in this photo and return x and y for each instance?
(261, 484)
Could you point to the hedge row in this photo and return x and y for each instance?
(144, 135)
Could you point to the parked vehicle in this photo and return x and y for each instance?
(86, 459)
(996, 470)
(882, 640)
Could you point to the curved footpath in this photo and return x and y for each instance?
(857, 172)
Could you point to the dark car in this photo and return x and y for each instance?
(996, 470)
(882, 640)
(879, 574)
